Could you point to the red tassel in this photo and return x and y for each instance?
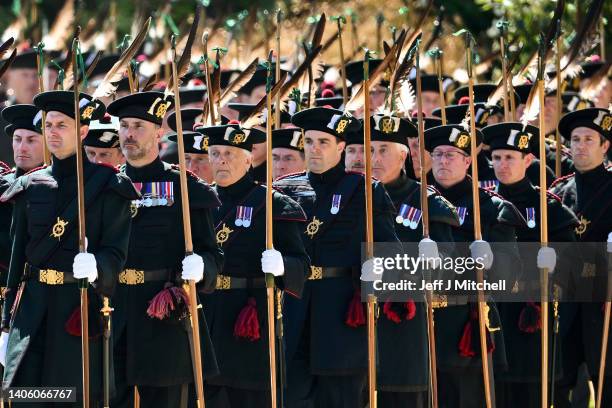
(411, 307)
(390, 313)
(247, 324)
(470, 339)
(530, 319)
(73, 325)
(355, 316)
(169, 300)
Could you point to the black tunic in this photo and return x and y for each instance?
(158, 352)
(244, 363)
(333, 347)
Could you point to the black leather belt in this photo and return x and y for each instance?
(138, 276)
(225, 282)
(324, 272)
(47, 276)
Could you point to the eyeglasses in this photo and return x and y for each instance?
(447, 155)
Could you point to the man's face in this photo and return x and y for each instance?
(387, 160)
(199, 164)
(431, 101)
(550, 113)
(138, 139)
(588, 150)
(259, 153)
(449, 165)
(322, 150)
(413, 144)
(509, 165)
(229, 164)
(354, 159)
(377, 99)
(59, 131)
(286, 161)
(27, 149)
(108, 155)
(24, 84)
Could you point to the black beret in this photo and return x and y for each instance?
(335, 102)
(572, 101)
(103, 132)
(332, 121)
(290, 138)
(25, 59)
(385, 128)
(194, 142)
(150, 106)
(429, 123)
(259, 78)
(22, 116)
(429, 83)
(63, 101)
(231, 135)
(245, 109)
(456, 113)
(512, 136)
(192, 94)
(450, 135)
(597, 119)
(104, 65)
(354, 71)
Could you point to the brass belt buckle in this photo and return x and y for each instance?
(316, 273)
(224, 282)
(439, 301)
(51, 277)
(131, 277)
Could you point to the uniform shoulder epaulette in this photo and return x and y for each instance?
(4, 168)
(287, 209)
(122, 185)
(44, 166)
(507, 212)
(189, 172)
(24, 182)
(561, 179)
(291, 175)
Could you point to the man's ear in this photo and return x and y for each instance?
(341, 146)
(84, 131)
(159, 132)
(606, 146)
(468, 161)
(529, 158)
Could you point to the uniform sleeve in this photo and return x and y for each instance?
(205, 245)
(19, 236)
(507, 263)
(443, 235)
(384, 228)
(111, 251)
(288, 240)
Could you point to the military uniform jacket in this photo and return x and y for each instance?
(6, 214)
(158, 352)
(498, 219)
(403, 346)
(333, 240)
(589, 195)
(524, 347)
(241, 231)
(41, 220)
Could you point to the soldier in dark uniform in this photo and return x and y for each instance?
(325, 330)
(460, 378)
(512, 148)
(588, 192)
(196, 145)
(287, 152)
(151, 322)
(21, 85)
(102, 142)
(237, 309)
(44, 344)
(24, 129)
(430, 91)
(403, 376)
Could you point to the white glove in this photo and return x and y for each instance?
(3, 347)
(547, 258)
(610, 242)
(85, 267)
(193, 268)
(481, 251)
(428, 249)
(367, 271)
(272, 262)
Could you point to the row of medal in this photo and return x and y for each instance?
(154, 194)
